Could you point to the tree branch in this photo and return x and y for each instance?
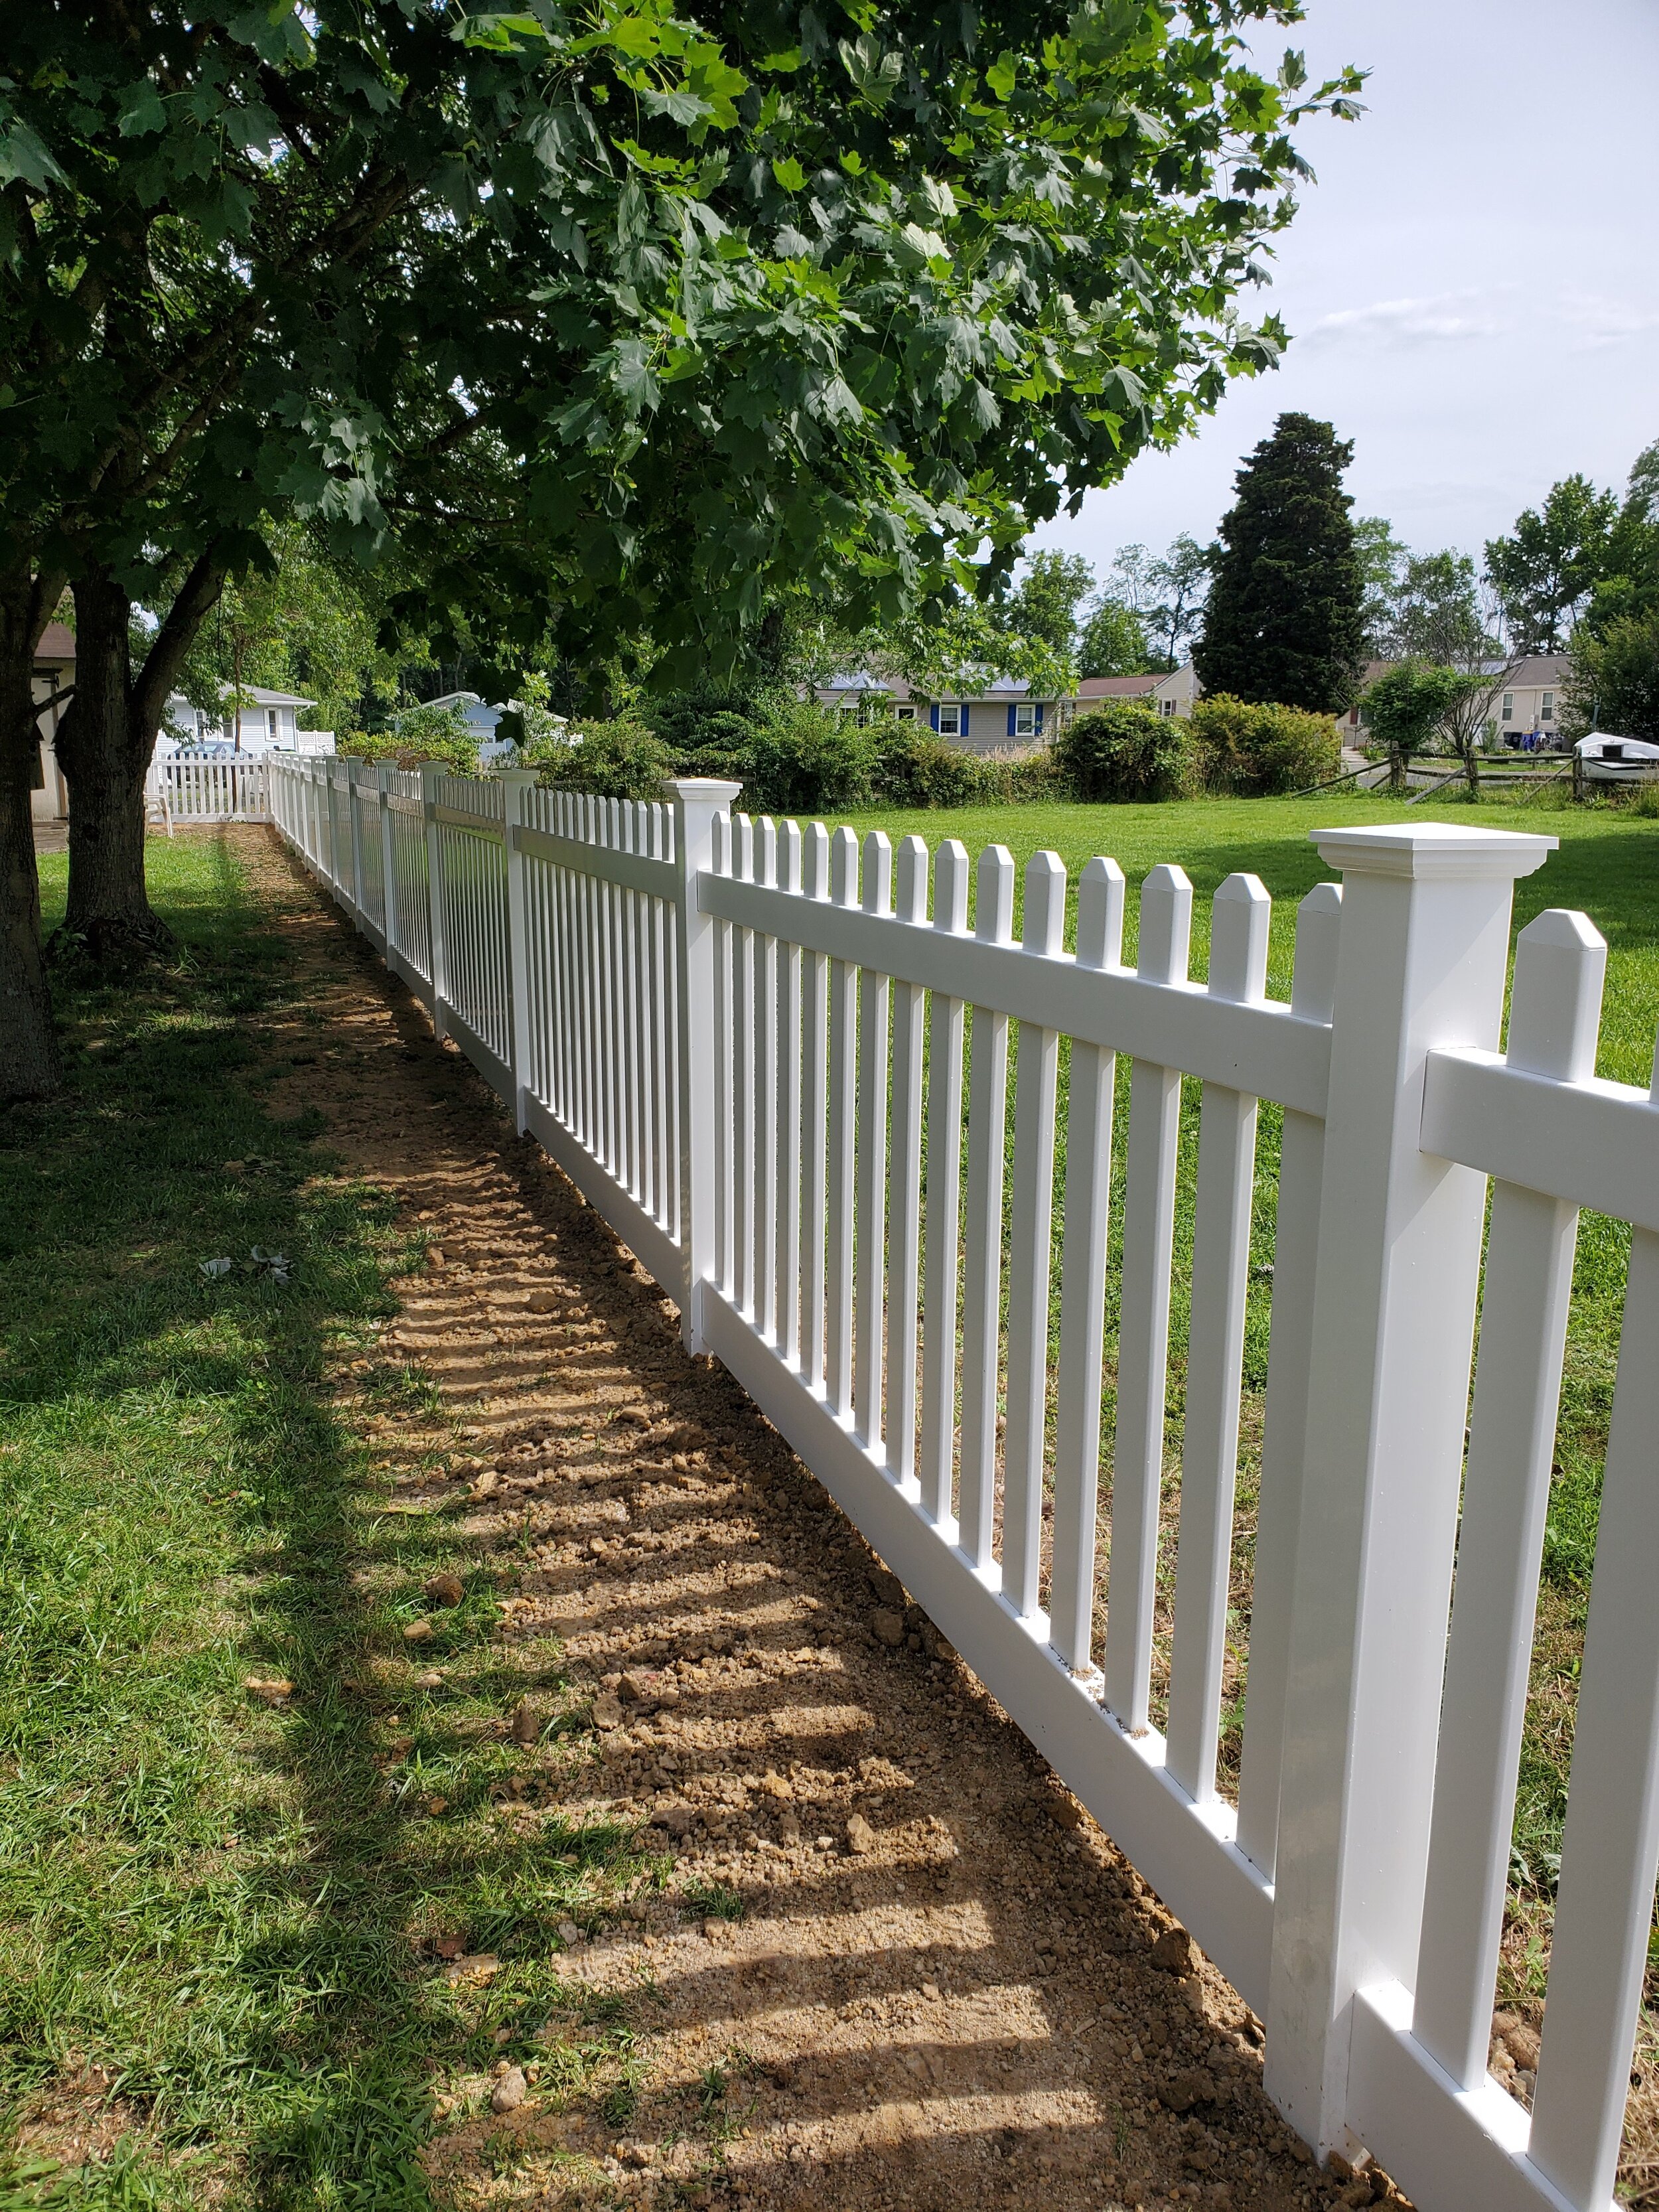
(191, 604)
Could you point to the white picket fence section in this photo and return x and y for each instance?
(191, 791)
(764, 1055)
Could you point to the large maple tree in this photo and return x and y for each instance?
(617, 316)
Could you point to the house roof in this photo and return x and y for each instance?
(1548, 670)
(968, 692)
(254, 693)
(56, 643)
(1118, 687)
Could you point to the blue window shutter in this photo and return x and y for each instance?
(1010, 720)
(1039, 718)
(934, 714)
(962, 720)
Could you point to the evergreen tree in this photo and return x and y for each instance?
(1285, 615)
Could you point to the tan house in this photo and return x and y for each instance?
(1523, 714)
(1526, 709)
(54, 672)
(1171, 694)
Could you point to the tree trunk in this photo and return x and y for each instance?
(104, 747)
(28, 1050)
(104, 754)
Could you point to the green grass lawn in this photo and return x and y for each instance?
(1608, 864)
(213, 1910)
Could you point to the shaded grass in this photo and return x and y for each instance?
(225, 1908)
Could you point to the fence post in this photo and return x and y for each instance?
(431, 773)
(1421, 958)
(332, 801)
(697, 800)
(515, 783)
(352, 765)
(383, 772)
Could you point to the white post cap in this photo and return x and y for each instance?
(1438, 852)
(713, 788)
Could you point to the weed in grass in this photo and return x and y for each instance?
(715, 1901)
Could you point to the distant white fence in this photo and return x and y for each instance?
(191, 791)
(739, 1037)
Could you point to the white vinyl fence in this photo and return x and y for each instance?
(191, 791)
(758, 1049)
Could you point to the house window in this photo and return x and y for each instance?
(1025, 718)
(904, 713)
(848, 708)
(1166, 706)
(1546, 711)
(1509, 706)
(271, 721)
(949, 717)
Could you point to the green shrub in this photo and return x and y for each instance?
(1122, 751)
(1039, 776)
(911, 765)
(420, 733)
(612, 760)
(1254, 750)
(806, 759)
(702, 721)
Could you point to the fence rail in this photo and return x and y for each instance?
(826, 1113)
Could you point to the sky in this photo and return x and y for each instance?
(1471, 286)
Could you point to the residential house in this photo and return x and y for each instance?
(54, 672)
(1525, 710)
(265, 722)
(1171, 694)
(1004, 716)
(1526, 713)
(269, 722)
(996, 717)
(482, 720)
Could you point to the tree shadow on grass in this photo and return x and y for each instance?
(223, 1909)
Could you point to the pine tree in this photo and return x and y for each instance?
(1285, 621)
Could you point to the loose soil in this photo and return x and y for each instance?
(887, 1962)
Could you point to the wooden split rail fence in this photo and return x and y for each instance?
(764, 1053)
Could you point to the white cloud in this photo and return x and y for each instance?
(1589, 322)
(1437, 318)
(1579, 321)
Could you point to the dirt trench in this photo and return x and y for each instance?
(945, 1987)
